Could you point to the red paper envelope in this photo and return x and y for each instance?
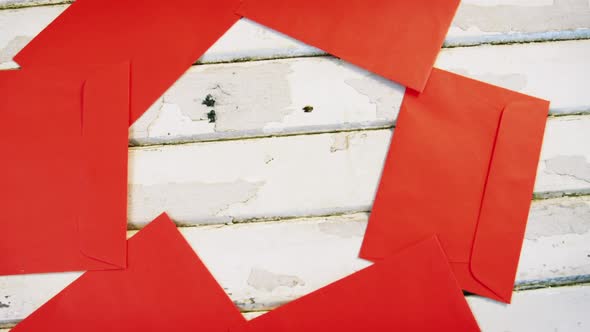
(461, 165)
(396, 294)
(393, 38)
(63, 141)
(161, 38)
(165, 288)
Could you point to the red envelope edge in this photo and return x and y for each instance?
(398, 40)
(165, 287)
(412, 290)
(64, 181)
(161, 39)
(462, 165)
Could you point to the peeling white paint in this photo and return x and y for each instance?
(309, 253)
(559, 15)
(146, 202)
(356, 99)
(267, 281)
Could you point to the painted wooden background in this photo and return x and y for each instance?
(281, 196)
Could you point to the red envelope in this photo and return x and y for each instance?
(461, 165)
(63, 178)
(161, 39)
(165, 288)
(395, 39)
(396, 294)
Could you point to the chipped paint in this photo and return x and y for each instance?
(343, 229)
(264, 280)
(513, 81)
(385, 94)
(13, 47)
(576, 167)
(340, 142)
(561, 15)
(265, 94)
(570, 216)
(4, 305)
(178, 200)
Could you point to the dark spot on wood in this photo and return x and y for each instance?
(209, 101)
(212, 116)
(308, 109)
(4, 305)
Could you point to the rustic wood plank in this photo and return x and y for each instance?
(306, 175)
(477, 22)
(542, 310)
(559, 72)
(531, 311)
(282, 260)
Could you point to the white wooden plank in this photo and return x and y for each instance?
(477, 21)
(262, 265)
(559, 72)
(542, 310)
(531, 311)
(307, 175)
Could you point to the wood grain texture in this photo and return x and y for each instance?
(263, 265)
(476, 22)
(307, 175)
(264, 98)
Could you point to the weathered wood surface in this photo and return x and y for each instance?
(345, 97)
(307, 175)
(531, 311)
(476, 22)
(262, 265)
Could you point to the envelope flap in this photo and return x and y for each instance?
(102, 219)
(507, 196)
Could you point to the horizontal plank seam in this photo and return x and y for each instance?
(286, 219)
(524, 285)
(261, 136)
(31, 5)
(139, 146)
(503, 38)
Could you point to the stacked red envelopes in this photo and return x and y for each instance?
(165, 288)
(162, 39)
(398, 40)
(462, 165)
(413, 290)
(64, 182)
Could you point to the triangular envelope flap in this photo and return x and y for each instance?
(166, 287)
(103, 187)
(508, 194)
(394, 294)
